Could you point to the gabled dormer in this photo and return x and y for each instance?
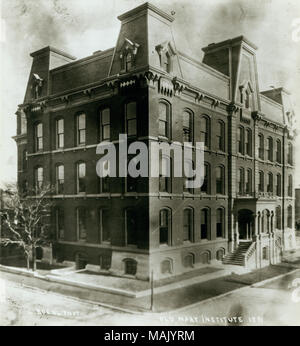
(128, 53)
(166, 52)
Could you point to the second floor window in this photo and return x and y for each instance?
(205, 131)
(60, 133)
(278, 151)
(290, 154)
(220, 180)
(81, 129)
(59, 223)
(240, 140)
(104, 226)
(290, 186)
(60, 179)
(205, 188)
(270, 149)
(105, 124)
(261, 183)
(39, 178)
(39, 137)
(81, 224)
(249, 181)
(81, 177)
(278, 185)
(261, 147)
(164, 226)
(221, 135)
(188, 225)
(163, 120)
(249, 142)
(130, 122)
(241, 179)
(131, 227)
(270, 182)
(187, 122)
(165, 172)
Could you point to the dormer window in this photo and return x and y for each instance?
(128, 54)
(165, 52)
(37, 83)
(246, 95)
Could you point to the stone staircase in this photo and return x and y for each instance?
(237, 257)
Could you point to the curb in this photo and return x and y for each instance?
(261, 283)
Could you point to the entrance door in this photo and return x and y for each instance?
(245, 218)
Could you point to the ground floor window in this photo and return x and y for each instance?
(188, 261)
(205, 257)
(166, 266)
(105, 262)
(220, 254)
(130, 266)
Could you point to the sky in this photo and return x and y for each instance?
(81, 27)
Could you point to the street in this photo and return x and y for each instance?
(270, 304)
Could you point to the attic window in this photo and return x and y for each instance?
(128, 54)
(165, 52)
(246, 95)
(36, 86)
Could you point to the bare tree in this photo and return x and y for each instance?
(25, 220)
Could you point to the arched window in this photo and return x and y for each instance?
(249, 142)
(270, 182)
(38, 136)
(81, 128)
(166, 266)
(220, 172)
(205, 224)
(187, 122)
(131, 227)
(81, 223)
(131, 119)
(241, 180)
(261, 147)
(278, 217)
(189, 260)
(59, 223)
(249, 181)
(290, 216)
(270, 148)
(290, 186)
(164, 119)
(165, 174)
(60, 179)
(278, 185)
(130, 266)
(188, 169)
(205, 131)
(220, 228)
(59, 133)
(205, 188)
(104, 120)
(39, 178)
(241, 140)
(278, 151)
(220, 254)
(261, 183)
(290, 154)
(221, 135)
(81, 177)
(188, 224)
(165, 227)
(205, 257)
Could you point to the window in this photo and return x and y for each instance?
(248, 99)
(205, 257)
(189, 261)
(205, 188)
(59, 133)
(290, 154)
(249, 142)
(105, 262)
(164, 226)
(265, 253)
(191, 166)
(270, 149)
(104, 185)
(204, 224)
(261, 147)
(249, 182)
(270, 182)
(39, 178)
(290, 216)
(166, 266)
(24, 160)
(60, 179)
(130, 115)
(131, 227)
(261, 183)
(241, 140)
(278, 185)
(188, 225)
(128, 62)
(220, 223)
(39, 137)
(187, 122)
(165, 174)
(165, 61)
(290, 186)
(131, 183)
(241, 180)
(81, 129)
(220, 254)
(205, 131)
(278, 217)
(130, 266)
(23, 123)
(81, 224)
(59, 224)
(81, 177)
(278, 151)
(164, 119)
(104, 119)
(221, 135)
(220, 180)
(104, 219)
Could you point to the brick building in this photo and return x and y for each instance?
(150, 90)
